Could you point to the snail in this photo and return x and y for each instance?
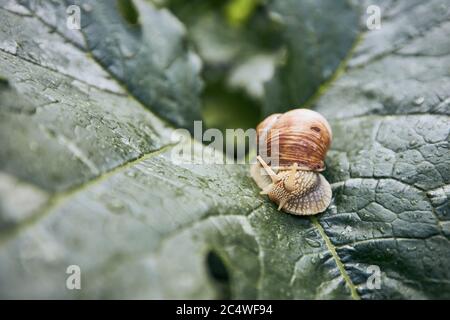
(299, 139)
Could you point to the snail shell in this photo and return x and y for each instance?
(303, 137)
(295, 184)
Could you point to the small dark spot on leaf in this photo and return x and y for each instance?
(4, 83)
(219, 273)
(128, 11)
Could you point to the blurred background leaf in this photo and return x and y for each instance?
(262, 57)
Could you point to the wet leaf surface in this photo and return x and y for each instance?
(87, 178)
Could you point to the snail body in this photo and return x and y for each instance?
(302, 138)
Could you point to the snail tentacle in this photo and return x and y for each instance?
(275, 178)
(289, 184)
(282, 203)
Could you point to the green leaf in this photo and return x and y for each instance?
(390, 159)
(317, 35)
(86, 176)
(149, 57)
(64, 120)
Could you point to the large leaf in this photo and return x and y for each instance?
(87, 178)
(147, 54)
